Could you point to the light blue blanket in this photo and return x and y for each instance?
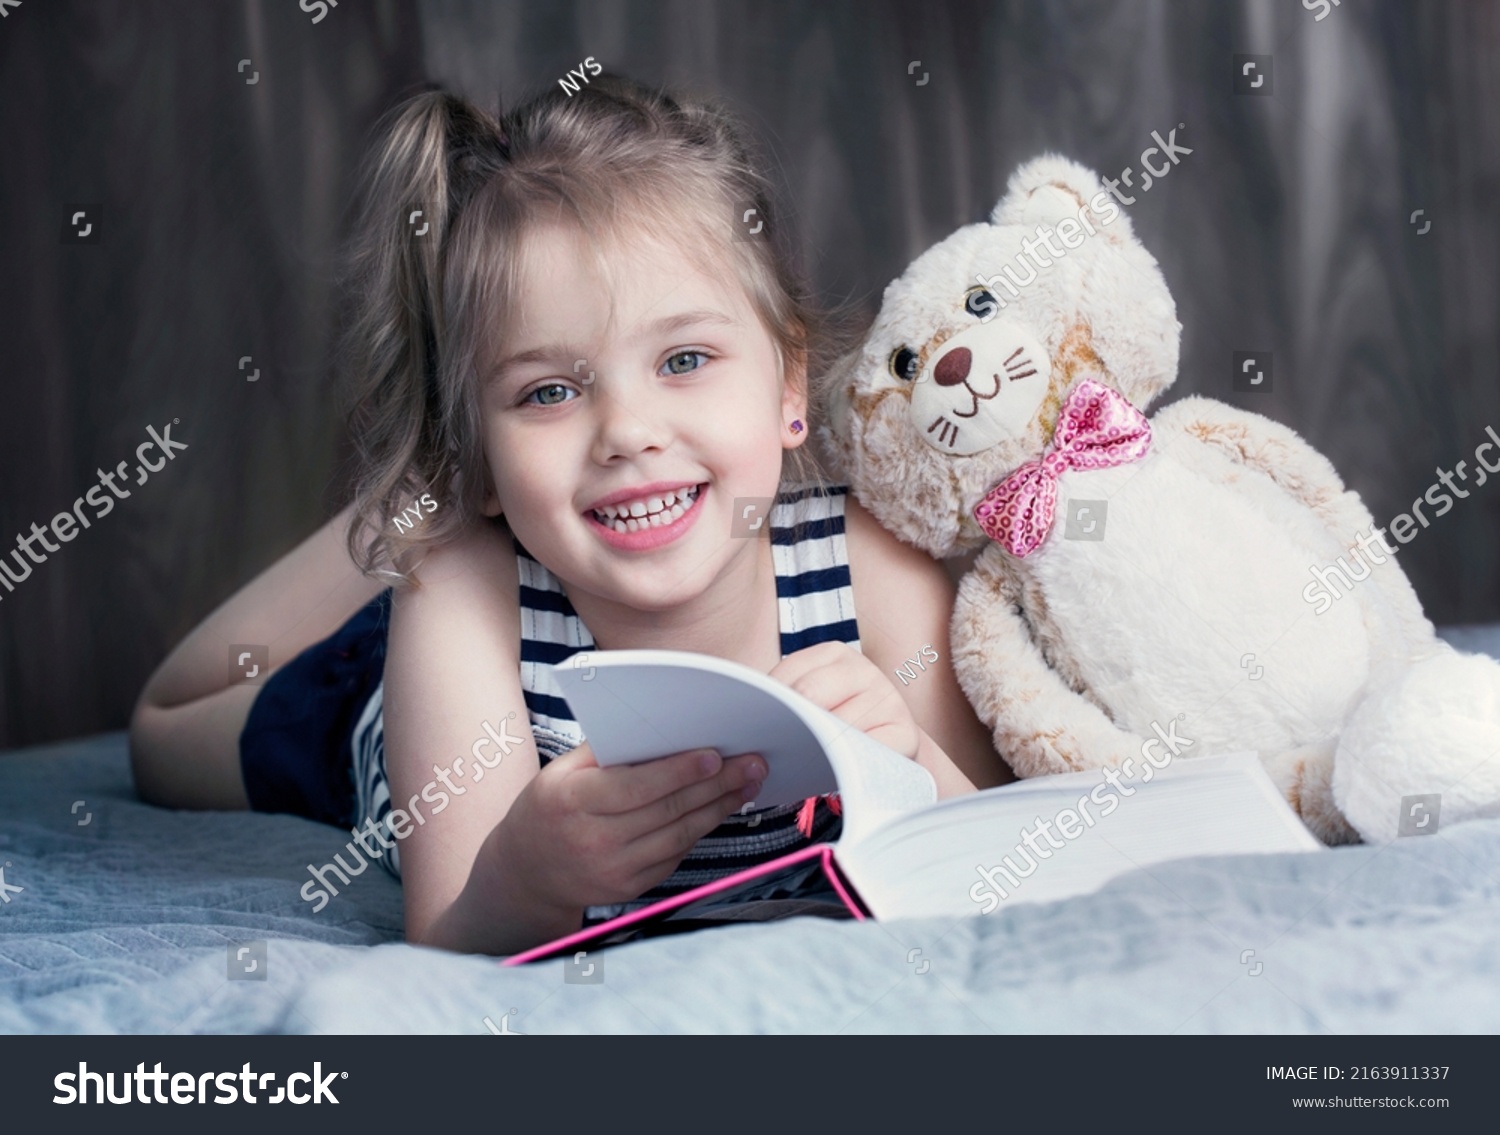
(120, 917)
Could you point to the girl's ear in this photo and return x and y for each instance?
(794, 427)
(491, 504)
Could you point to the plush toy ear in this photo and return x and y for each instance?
(1051, 187)
(1125, 301)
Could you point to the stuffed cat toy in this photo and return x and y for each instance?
(1143, 584)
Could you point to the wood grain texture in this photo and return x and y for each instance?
(1286, 230)
(222, 205)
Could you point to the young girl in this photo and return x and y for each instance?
(582, 364)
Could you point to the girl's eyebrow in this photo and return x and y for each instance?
(664, 326)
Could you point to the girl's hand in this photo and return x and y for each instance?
(579, 835)
(848, 685)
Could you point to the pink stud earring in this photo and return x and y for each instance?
(796, 425)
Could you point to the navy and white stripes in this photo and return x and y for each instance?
(813, 595)
(372, 791)
(815, 603)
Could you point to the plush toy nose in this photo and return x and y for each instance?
(953, 367)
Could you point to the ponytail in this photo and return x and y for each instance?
(434, 150)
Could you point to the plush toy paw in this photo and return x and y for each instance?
(1304, 776)
(1423, 749)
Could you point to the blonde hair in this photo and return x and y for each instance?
(616, 158)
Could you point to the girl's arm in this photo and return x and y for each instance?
(903, 599)
(505, 856)
(451, 668)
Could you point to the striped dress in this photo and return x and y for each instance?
(815, 603)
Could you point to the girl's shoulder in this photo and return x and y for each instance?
(486, 549)
(475, 576)
(897, 588)
(875, 548)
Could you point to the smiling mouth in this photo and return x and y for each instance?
(650, 512)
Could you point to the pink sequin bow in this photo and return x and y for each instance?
(1096, 429)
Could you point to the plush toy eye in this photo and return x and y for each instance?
(980, 302)
(904, 364)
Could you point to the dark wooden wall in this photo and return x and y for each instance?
(1287, 229)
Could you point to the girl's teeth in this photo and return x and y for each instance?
(650, 513)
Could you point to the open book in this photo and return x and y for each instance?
(902, 852)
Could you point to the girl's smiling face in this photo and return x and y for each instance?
(681, 389)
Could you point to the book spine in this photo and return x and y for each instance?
(842, 887)
(581, 938)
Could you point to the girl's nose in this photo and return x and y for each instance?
(625, 420)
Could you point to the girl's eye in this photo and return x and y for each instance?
(684, 355)
(904, 364)
(549, 394)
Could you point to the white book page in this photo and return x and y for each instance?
(927, 864)
(638, 705)
(877, 783)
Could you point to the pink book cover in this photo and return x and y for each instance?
(823, 852)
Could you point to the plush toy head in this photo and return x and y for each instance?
(962, 375)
